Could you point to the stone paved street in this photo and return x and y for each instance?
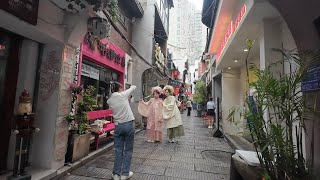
(195, 156)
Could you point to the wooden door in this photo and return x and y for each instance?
(9, 68)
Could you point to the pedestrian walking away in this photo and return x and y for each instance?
(153, 110)
(171, 115)
(124, 131)
(211, 112)
(189, 106)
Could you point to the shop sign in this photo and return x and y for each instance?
(94, 73)
(233, 26)
(96, 44)
(85, 70)
(89, 71)
(26, 10)
(160, 60)
(312, 81)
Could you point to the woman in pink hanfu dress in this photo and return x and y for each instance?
(154, 115)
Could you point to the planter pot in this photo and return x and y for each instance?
(241, 170)
(78, 147)
(199, 113)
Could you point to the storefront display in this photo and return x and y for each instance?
(101, 64)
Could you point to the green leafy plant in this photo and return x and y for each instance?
(275, 113)
(110, 5)
(200, 96)
(78, 120)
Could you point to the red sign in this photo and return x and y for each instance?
(231, 29)
(176, 90)
(201, 68)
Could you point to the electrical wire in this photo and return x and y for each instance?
(132, 47)
(149, 31)
(55, 24)
(214, 1)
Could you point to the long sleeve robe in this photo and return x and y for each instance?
(171, 112)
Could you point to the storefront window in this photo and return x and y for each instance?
(100, 78)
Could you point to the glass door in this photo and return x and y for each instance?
(9, 68)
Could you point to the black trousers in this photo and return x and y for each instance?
(189, 111)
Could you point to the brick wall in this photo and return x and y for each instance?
(116, 38)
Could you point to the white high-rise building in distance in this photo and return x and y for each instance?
(187, 37)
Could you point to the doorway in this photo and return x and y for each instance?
(9, 68)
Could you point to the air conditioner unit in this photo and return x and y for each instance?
(206, 56)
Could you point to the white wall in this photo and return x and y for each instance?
(230, 98)
(142, 39)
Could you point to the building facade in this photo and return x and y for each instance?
(150, 40)
(43, 45)
(270, 25)
(187, 38)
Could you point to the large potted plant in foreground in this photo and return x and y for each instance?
(79, 135)
(276, 111)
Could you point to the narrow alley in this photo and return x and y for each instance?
(195, 156)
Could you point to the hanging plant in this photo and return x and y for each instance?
(97, 5)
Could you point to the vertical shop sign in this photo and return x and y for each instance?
(76, 67)
(26, 10)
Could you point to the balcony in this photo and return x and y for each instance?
(209, 10)
(135, 8)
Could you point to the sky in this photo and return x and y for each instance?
(198, 3)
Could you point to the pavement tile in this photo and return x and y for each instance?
(73, 177)
(169, 164)
(212, 169)
(210, 176)
(185, 159)
(141, 176)
(93, 172)
(181, 173)
(151, 170)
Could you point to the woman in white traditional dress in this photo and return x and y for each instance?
(171, 115)
(153, 111)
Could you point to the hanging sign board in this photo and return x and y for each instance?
(90, 72)
(94, 73)
(85, 70)
(26, 10)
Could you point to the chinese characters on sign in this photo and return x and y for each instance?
(108, 52)
(230, 30)
(26, 10)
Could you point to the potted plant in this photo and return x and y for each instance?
(200, 96)
(275, 113)
(79, 136)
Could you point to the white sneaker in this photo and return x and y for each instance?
(127, 177)
(115, 177)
